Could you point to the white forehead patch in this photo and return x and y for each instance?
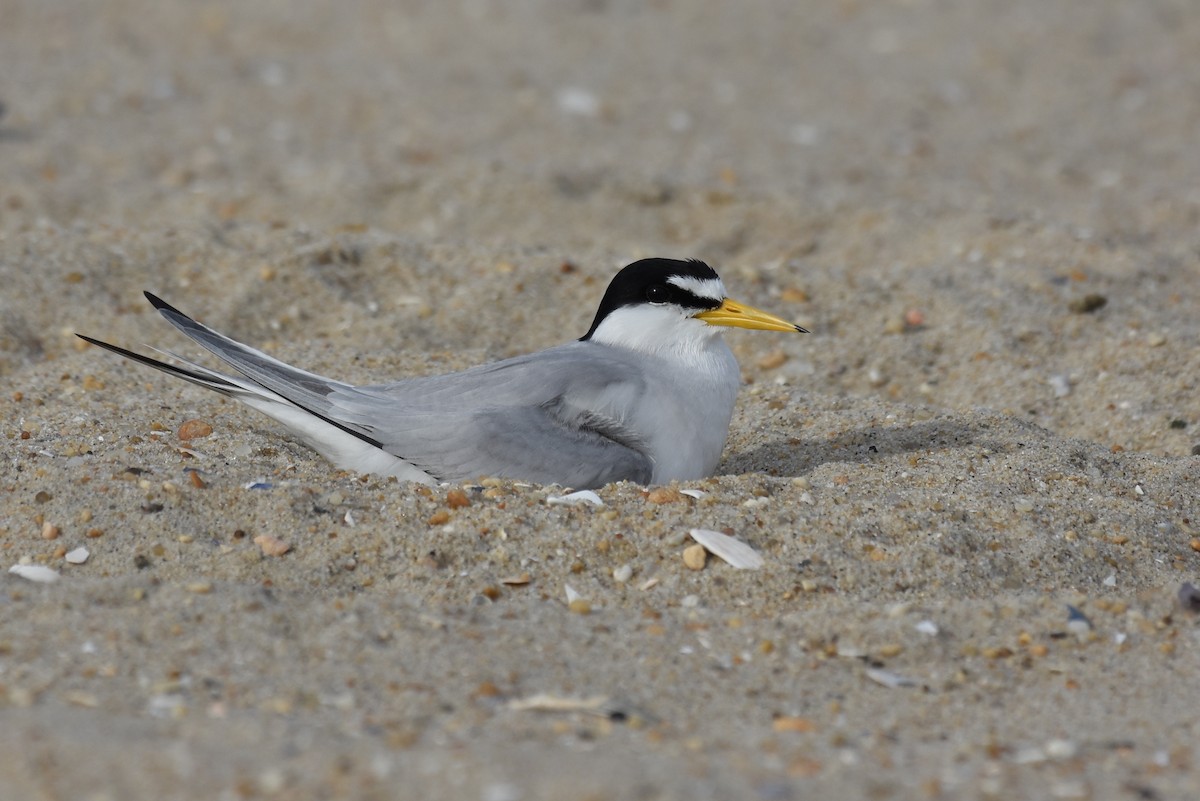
(708, 288)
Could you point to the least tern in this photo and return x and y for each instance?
(646, 395)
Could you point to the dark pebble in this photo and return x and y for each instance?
(1088, 304)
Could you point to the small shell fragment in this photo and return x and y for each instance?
(889, 679)
(77, 556)
(693, 493)
(734, 551)
(622, 574)
(271, 545)
(583, 496)
(38, 573)
(516, 581)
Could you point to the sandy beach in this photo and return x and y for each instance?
(975, 485)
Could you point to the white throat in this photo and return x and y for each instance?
(664, 331)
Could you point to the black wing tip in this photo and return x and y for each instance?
(158, 302)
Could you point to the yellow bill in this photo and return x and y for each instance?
(738, 315)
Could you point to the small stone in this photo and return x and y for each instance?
(1156, 339)
(271, 545)
(788, 723)
(94, 533)
(695, 557)
(457, 499)
(1087, 304)
(200, 587)
(1189, 597)
(622, 574)
(42, 497)
(194, 429)
(49, 531)
(439, 518)
(772, 360)
(914, 318)
(1195, 544)
(664, 495)
(792, 294)
(580, 606)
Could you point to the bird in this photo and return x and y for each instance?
(646, 395)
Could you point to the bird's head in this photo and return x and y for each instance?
(667, 304)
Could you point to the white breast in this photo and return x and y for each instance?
(687, 411)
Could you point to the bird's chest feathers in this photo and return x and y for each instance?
(684, 413)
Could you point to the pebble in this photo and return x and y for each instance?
(193, 429)
(622, 574)
(664, 495)
(49, 531)
(271, 545)
(1087, 304)
(1189, 597)
(695, 557)
(1156, 340)
(457, 499)
(789, 723)
(77, 556)
(772, 360)
(1061, 385)
(200, 587)
(1077, 622)
(579, 102)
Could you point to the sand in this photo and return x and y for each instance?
(974, 485)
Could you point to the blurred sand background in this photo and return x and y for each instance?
(987, 212)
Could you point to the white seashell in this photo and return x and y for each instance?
(927, 627)
(733, 551)
(889, 679)
(572, 595)
(38, 573)
(78, 556)
(693, 493)
(583, 496)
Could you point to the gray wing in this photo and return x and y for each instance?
(551, 417)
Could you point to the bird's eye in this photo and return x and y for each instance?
(657, 294)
